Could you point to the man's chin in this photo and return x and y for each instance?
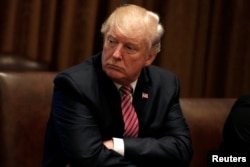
(114, 75)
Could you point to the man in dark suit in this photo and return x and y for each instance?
(87, 128)
(236, 132)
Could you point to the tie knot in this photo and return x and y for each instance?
(126, 89)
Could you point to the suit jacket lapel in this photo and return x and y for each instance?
(142, 96)
(110, 103)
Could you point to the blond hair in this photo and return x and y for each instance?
(137, 22)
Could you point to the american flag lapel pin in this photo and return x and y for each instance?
(144, 95)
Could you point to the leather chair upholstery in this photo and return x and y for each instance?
(12, 62)
(206, 118)
(25, 99)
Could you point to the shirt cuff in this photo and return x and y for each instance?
(118, 145)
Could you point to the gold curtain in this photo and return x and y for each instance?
(206, 42)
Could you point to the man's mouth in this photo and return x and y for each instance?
(114, 67)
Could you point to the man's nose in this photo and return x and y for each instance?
(118, 51)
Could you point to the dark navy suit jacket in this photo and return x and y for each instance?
(236, 131)
(86, 111)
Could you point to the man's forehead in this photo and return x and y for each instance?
(125, 38)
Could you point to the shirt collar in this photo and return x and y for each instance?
(133, 84)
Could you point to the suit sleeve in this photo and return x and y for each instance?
(77, 128)
(170, 141)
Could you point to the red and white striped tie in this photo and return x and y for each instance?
(130, 119)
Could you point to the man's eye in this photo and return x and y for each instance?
(131, 49)
(111, 40)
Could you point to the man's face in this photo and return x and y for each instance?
(124, 57)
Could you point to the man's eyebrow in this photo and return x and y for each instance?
(128, 41)
(133, 43)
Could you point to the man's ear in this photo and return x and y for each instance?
(150, 59)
